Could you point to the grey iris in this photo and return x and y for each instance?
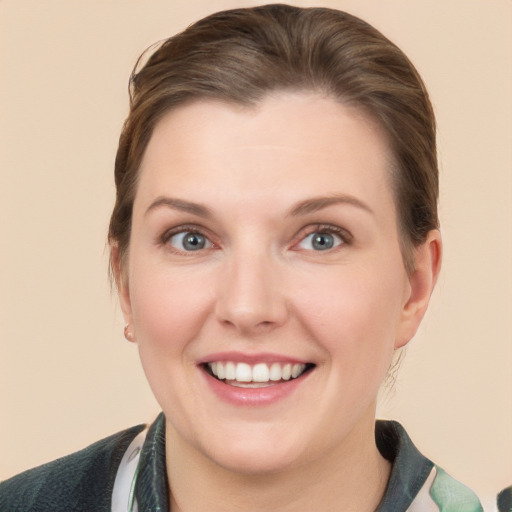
(193, 241)
(322, 241)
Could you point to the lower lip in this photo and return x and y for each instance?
(253, 397)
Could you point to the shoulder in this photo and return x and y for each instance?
(82, 481)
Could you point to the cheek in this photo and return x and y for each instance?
(168, 310)
(168, 313)
(355, 316)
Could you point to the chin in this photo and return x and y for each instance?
(252, 462)
(254, 449)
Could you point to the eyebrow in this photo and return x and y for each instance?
(181, 205)
(302, 208)
(318, 203)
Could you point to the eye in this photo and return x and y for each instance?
(320, 241)
(189, 241)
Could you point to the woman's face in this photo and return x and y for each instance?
(264, 249)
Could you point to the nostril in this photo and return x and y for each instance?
(249, 321)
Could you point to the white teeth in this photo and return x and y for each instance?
(243, 372)
(230, 371)
(220, 371)
(259, 373)
(287, 371)
(297, 370)
(275, 371)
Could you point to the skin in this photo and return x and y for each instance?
(259, 286)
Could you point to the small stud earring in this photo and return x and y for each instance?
(128, 334)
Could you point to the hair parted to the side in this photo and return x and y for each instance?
(241, 55)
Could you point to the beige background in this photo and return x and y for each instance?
(67, 377)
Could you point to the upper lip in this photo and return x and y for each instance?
(253, 358)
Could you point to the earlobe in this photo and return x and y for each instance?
(427, 264)
(128, 334)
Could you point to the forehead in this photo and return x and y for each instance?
(293, 142)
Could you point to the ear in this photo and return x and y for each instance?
(427, 263)
(120, 274)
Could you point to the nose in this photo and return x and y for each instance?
(250, 297)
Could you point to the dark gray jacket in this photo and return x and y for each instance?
(84, 480)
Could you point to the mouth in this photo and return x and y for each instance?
(259, 375)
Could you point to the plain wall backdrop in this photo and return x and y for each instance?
(68, 378)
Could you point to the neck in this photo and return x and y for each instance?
(352, 477)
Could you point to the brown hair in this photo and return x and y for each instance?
(241, 55)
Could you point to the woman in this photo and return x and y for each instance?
(274, 243)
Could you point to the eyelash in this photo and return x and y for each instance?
(328, 229)
(184, 229)
(343, 234)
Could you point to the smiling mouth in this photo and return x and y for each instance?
(258, 375)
